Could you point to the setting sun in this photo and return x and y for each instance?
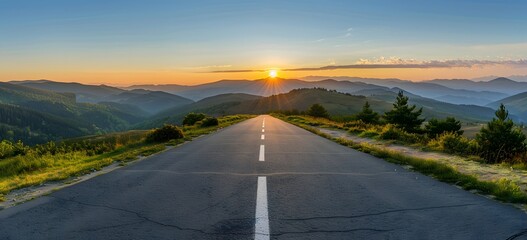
(273, 73)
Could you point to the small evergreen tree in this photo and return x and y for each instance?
(500, 140)
(436, 127)
(367, 115)
(317, 110)
(404, 116)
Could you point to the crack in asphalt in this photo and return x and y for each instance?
(150, 220)
(109, 227)
(379, 213)
(333, 231)
(522, 233)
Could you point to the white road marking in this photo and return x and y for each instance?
(263, 137)
(262, 153)
(261, 225)
(263, 130)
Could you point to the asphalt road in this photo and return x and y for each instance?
(227, 186)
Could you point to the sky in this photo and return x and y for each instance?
(124, 42)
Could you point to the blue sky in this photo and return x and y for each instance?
(64, 38)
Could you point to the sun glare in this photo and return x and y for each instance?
(273, 73)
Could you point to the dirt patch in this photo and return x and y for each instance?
(487, 172)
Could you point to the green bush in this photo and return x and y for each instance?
(209, 122)
(436, 127)
(6, 149)
(165, 134)
(450, 142)
(192, 118)
(9, 149)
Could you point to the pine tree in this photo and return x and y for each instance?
(436, 127)
(404, 116)
(500, 140)
(317, 110)
(367, 115)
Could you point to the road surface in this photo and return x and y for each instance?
(262, 179)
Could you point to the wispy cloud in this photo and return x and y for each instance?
(345, 35)
(393, 63)
(212, 66)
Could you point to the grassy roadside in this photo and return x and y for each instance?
(34, 168)
(502, 189)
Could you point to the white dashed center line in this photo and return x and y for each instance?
(263, 137)
(262, 153)
(263, 130)
(261, 225)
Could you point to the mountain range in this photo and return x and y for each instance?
(41, 110)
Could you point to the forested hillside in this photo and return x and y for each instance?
(37, 116)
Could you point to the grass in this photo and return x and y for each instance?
(34, 169)
(503, 189)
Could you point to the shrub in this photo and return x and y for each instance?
(165, 134)
(500, 140)
(192, 118)
(6, 149)
(451, 142)
(209, 122)
(436, 127)
(317, 110)
(9, 149)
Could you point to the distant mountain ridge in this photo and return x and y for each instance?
(501, 85)
(150, 102)
(429, 89)
(457, 91)
(261, 87)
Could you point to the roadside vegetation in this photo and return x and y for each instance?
(23, 166)
(498, 142)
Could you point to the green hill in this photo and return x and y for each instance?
(36, 116)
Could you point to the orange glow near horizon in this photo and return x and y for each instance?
(127, 78)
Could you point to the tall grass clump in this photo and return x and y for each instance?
(391, 132)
